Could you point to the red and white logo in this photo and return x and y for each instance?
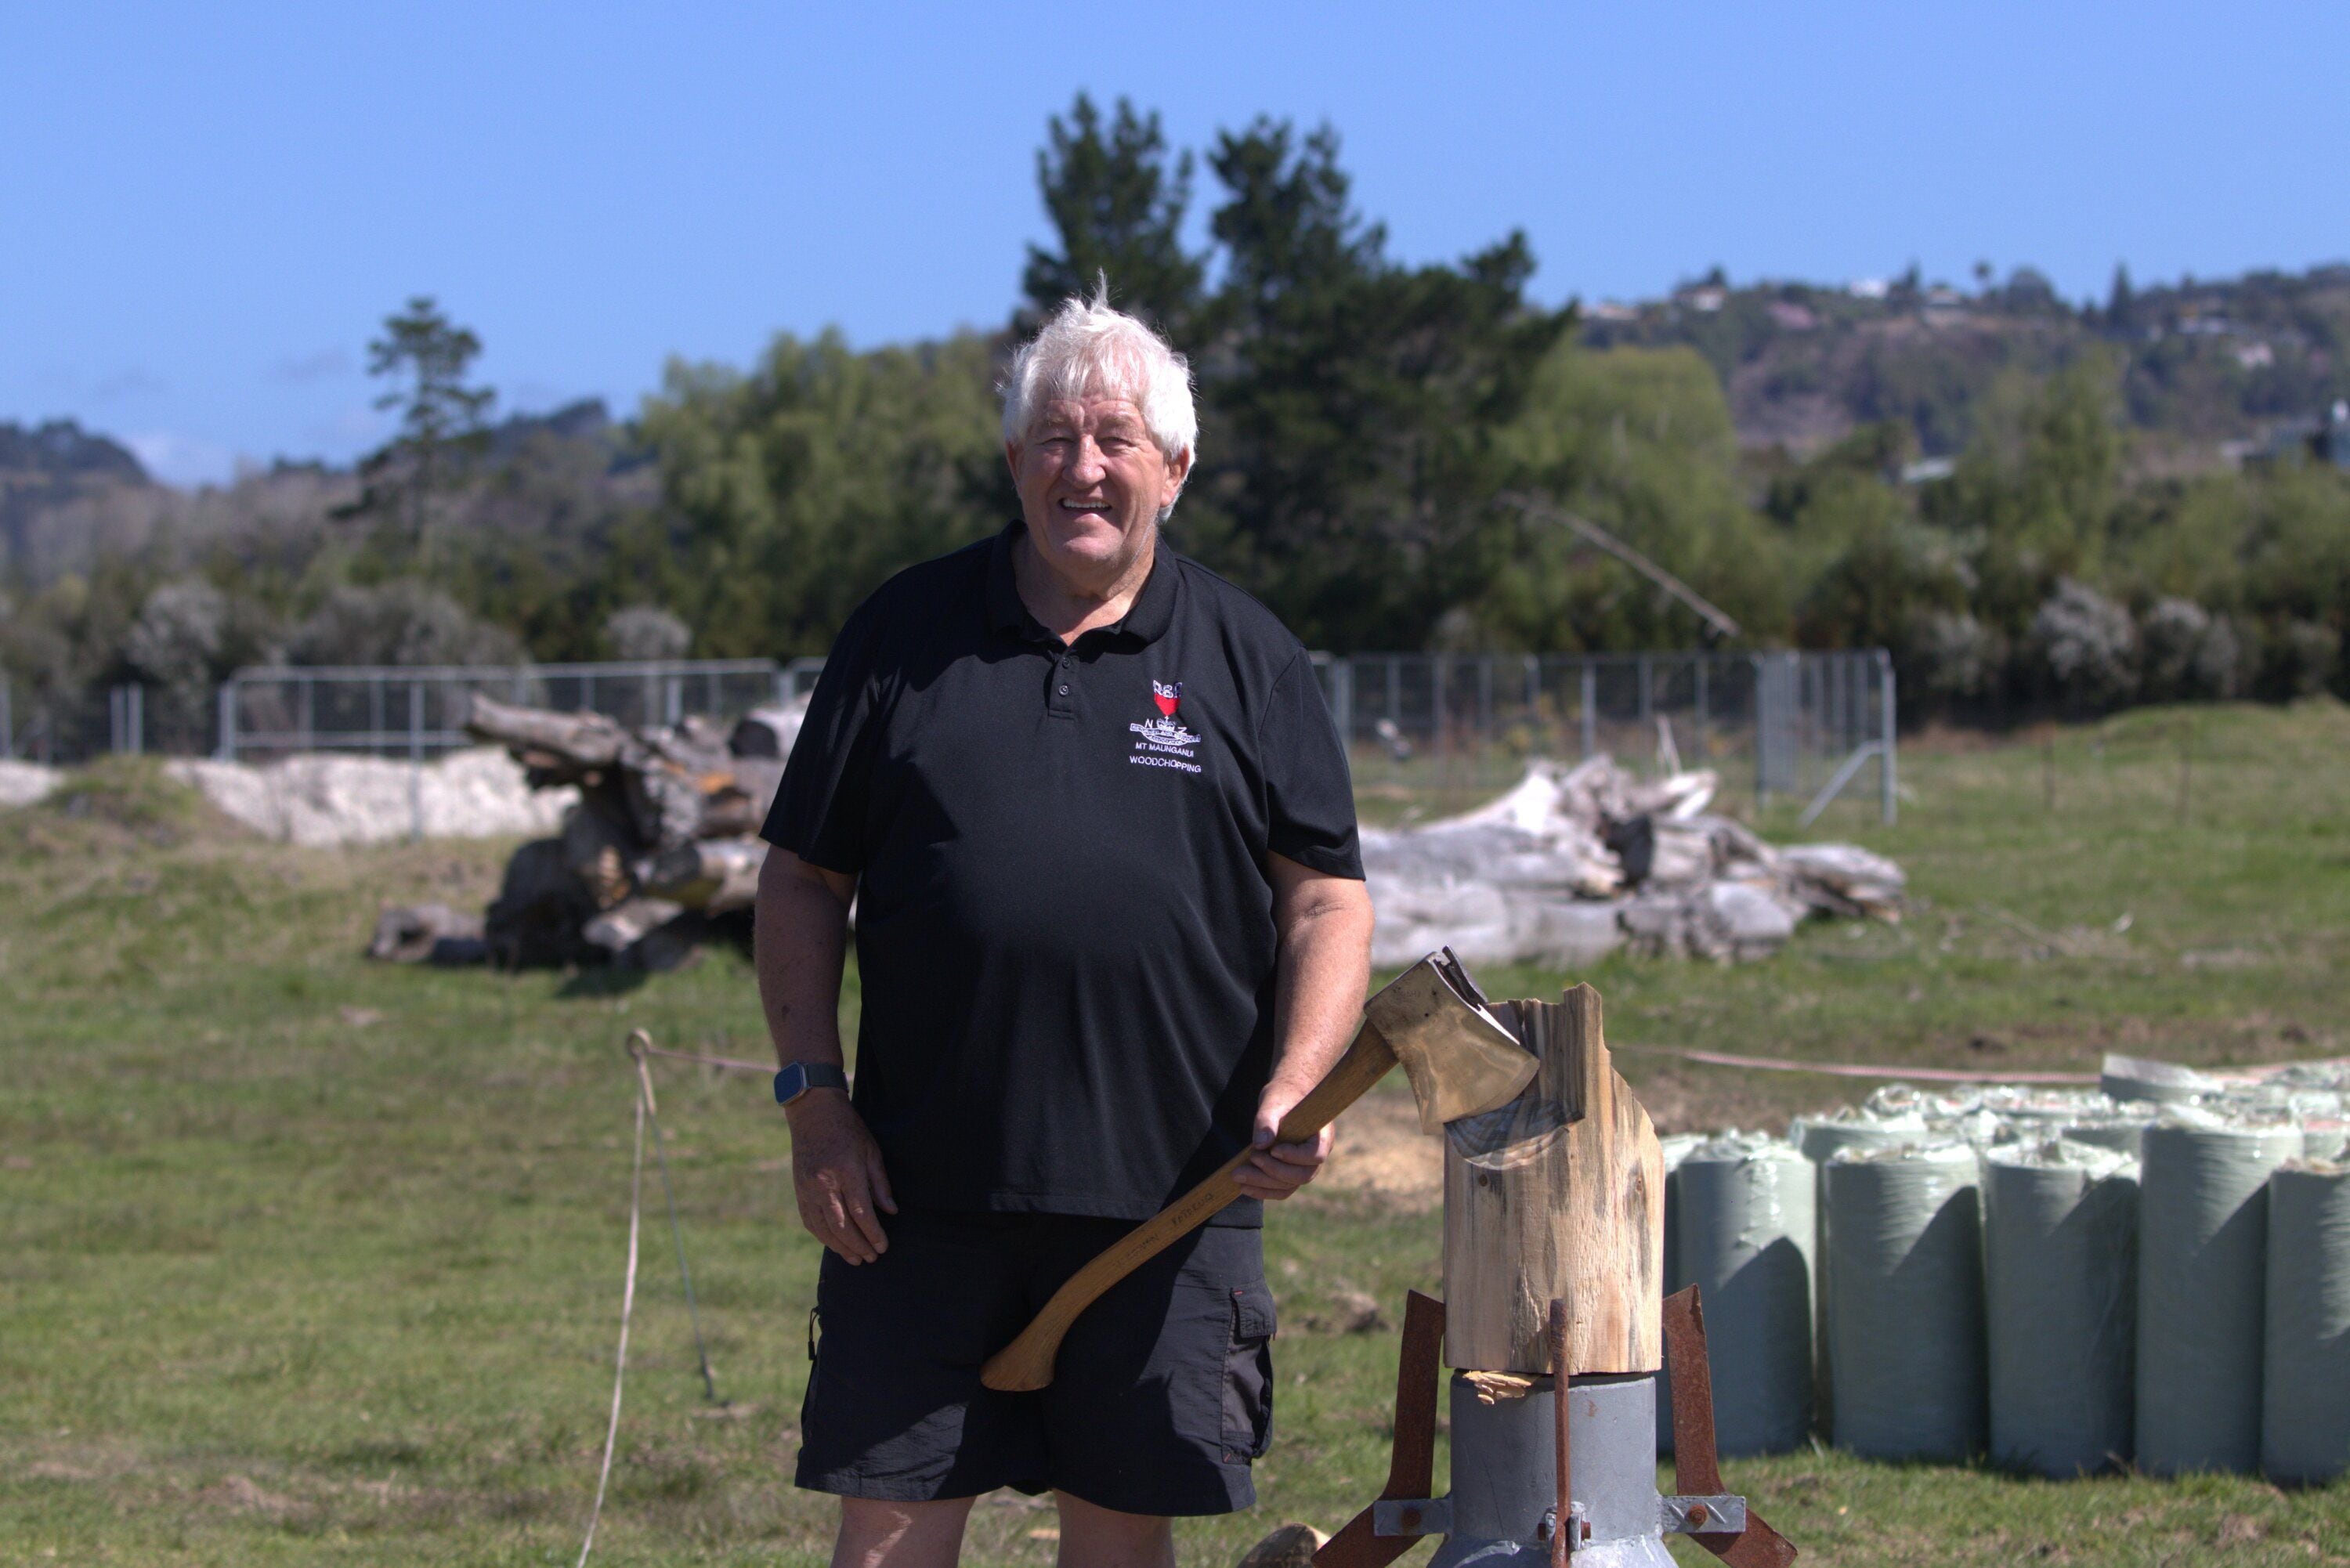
(1163, 742)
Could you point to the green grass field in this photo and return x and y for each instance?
(305, 1260)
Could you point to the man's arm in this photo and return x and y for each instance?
(1321, 974)
(800, 940)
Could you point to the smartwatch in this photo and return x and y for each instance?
(800, 1076)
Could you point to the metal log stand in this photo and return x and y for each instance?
(1554, 1235)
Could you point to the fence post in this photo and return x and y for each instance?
(7, 719)
(1701, 664)
(415, 759)
(1436, 701)
(224, 746)
(1888, 784)
(1342, 697)
(138, 720)
(1590, 703)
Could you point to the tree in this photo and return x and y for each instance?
(1350, 403)
(2121, 302)
(1118, 205)
(425, 355)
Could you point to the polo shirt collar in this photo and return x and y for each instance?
(1147, 619)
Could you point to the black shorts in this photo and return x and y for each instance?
(1161, 1396)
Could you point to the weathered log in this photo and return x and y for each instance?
(556, 741)
(1558, 1194)
(712, 875)
(536, 917)
(619, 929)
(424, 933)
(598, 848)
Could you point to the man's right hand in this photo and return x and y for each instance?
(837, 1176)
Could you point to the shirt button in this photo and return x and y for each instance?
(1064, 690)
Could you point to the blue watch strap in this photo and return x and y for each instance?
(800, 1076)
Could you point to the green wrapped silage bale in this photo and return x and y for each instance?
(2201, 1288)
(1675, 1147)
(2120, 1126)
(2305, 1390)
(2060, 1299)
(1747, 1225)
(1905, 1321)
(1820, 1139)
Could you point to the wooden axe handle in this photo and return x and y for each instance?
(1027, 1361)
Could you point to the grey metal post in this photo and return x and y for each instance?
(1700, 664)
(138, 720)
(114, 725)
(1505, 1476)
(1888, 784)
(415, 759)
(224, 747)
(1395, 692)
(1647, 698)
(7, 719)
(1590, 704)
(375, 713)
(309, 713)
(1342, 699)
(1436, 700)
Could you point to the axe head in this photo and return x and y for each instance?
(1459, 1056)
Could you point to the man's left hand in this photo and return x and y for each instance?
(1274, 1171)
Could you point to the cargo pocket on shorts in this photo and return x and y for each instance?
(1248, 1374)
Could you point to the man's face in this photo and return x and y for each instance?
(1092, 483)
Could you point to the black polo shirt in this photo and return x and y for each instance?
(1064, 927)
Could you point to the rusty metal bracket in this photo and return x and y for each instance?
(1752, 1543)
(1562, 1542)
(1721, 1512)
(1411, 1472)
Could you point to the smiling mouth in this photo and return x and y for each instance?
(1101, 507)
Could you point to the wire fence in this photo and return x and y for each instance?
(1806, 725)
(420, 711)
(1774, 724)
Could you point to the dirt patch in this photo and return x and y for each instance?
(1382, 1154)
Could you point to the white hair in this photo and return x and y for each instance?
(1085, 349)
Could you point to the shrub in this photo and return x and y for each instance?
(399, 623)
(2185, 652)
(2086, 646)
(645, 632)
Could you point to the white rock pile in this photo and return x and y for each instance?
(1575, 862)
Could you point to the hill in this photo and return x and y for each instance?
(2211, 369)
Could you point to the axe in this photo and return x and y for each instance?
(1432, 1019)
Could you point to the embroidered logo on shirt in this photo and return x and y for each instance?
(1163, 742)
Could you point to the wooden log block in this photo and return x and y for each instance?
(574, 740)
(1559, 1194)
(712, 875)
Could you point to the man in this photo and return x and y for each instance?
(1110, 927)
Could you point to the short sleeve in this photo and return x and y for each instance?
(1309, 796)
(820, 813)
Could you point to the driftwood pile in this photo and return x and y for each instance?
(1577, 861)
(660, 851)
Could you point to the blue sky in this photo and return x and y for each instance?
(208, 208)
